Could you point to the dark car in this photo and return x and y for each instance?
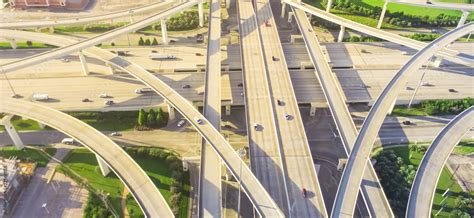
(452, 90)
(304, 192)
(406, 122)
(275, 58)
(199, 38)
(280, 102)
(240, 85)
(186, 86)
(86, 100)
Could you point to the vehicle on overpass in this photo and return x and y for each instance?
(156, 56)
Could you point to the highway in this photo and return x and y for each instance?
(435, 4)
(352, 175)
(78, 46)
(210, 190)
(297, 159)
(86, 19)
(263, 203)
(371, 189)
(135, 179)
(264, 148)
(446, 53)
(424, 185)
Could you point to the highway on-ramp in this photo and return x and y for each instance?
(371, 189)
(346, 195)
(137, 181)
(446, 53)
(298, 163)
(262, 201)
(428, 173)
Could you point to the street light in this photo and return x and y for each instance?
(44, 206)
(241, 152)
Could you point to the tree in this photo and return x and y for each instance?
(155, 42)
(150, 120)
(141, 42)
(160, 119)
(112, 43)
(147, 42)
(141, 117)
(29, 43)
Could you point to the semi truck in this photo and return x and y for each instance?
(156, 56)
(40, 97)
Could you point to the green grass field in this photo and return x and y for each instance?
(23, 45)
(27, 154)
(21, 124)
(84, 163)
(108, 121)
(445, 181)
(404, 111)
(465, 148)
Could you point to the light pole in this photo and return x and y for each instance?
(44, 206)
(241, 152)
(419, 84)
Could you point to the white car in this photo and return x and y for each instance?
(115, 134)
(68, 141)
(198, 120)
(287, 116)
(181, 123)
(255, 126)
(103, 95)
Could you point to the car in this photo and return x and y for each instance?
(275, 58)
(198, 54)
(405, 53)
(228, 126)
(430, 3)
(68, 141)
(109, 102)
(452, 90)
(241, 94)
(154, 51)
(434, 31)
(267, 24)
(286, 116)
(255, 126)
(425, 84)
(280, 102)
(65, 60)
(86, 100)
(115, 134)
(187, 86)
(240, 85)
(407, 122)
(198, 120)
(199, 38)
(201, 93)
(304, 192)
(310, 30)
(103, 95)
(181, 123)
(409, 88)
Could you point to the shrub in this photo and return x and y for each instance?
(155, 42)
(29, 43)
(147, 42)
(141, 42)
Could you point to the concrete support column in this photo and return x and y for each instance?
(463, 19)
(171, 112)
(437, 61)
(201, 14)
(164, 32)
(41, 125)
(83, 60)
(227, 110)
(227, 4)
(13, 43)
(104, 168)
(111, 68)
(328, 6)
(6, 121)
(382, 15)
(312, 110)
(341, 34)
(283, 10)
(51, 29)
(391, 107)
(290, 17)
(132, 20)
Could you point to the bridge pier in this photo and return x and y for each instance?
(201, 14)
(283, 9)
(164, 32)
(51, 29)
(328, 6)
(227, 4)
(463, 19)
(290, 17)
(341, 34)
(132, 20)
(111, 68)
(6, 122)
(104, 168)
(41, 125)
(227, 110)
(171, 112)
(12, 43)
(83, 60)
(382, 15)
(437, 62)
(391, 107)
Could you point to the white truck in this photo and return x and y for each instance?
(68, 141)
(156, 56)
(40, 97)
(143, 90)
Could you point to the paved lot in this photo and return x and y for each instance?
(462, 167)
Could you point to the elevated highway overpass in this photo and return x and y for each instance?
(210, 190)
(446, 53)
(424, 185)
(297, 160)
(135, 179)
(372, 192)
(264, 145)
(263, 203)
(346, 196)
